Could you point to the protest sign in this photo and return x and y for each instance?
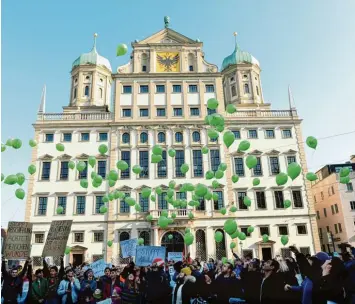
(175, 256)
(146, 254)
(57, 238)
(107, 301)
(128, 248)
(18, 241)
(98, 267)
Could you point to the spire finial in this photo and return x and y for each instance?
(95, 36)
(42, 106)
(167, 21)
(235, 39)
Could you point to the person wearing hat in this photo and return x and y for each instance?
(69, 288)
(184, 289)
(88, 285)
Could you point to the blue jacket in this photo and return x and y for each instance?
(306, 289)
(63, 287)
(92, 284)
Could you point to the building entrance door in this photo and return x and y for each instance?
(77, 259)
(174, 243)
(266, 252)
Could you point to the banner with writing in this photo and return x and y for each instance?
(146, 254)
(98, 267)
(57, 238)
(18, 241)
(107, 301)
(175, 256)
(128, 248)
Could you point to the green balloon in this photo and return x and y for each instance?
(204, 150)
(163, 222)
(247, 201)
(190, 215)
(156, 159)
(121, 195)
(224, 260)
(250, 229)
(219, 174)
(232, 245)
(130, 201)
(222, 167)
(235, 234)
(215, 184)
(140, 241)
(9, 142)
(220, 128)
(311, 176)
(84, 183)
(103, 149)
(111, 196)
(60, 210)
(344, 172)
(103, 209)
(215, 197)
(208, 196)
(109, 243)
(235, 178)
(294, 170)
(3, 147)
(71, 165)
(80, 166)
(183, 203)
(170, 193)
(209, 175)
(218, 236)
(173, 215)
(121, 49)
(312, 142)
(242, 236)
(345, 180)
(16, 143)
(287, 203)
(284, 239)
(188, 238)
(113, 175)
(231, 108)
(184, 168)
(170, 236)
(157, 150)
(2, 177)
(212, 133)
(164, 213)
(149, 218)
(152, 198)
(216, 120)
(172, 152)
(230, 226)
(116, 194)
(105, 199)
(111, 183)
(251, 161)
(32, 143)
(228, 138)
(60, 147)
(201, 190)
(244, 145)
(32, 169)
(122, 165)
(233, 209)
(20, 178)
(137, 169)
(187, 230)
(10, 180)
(146, 192)
(93, 174)
(98, 179)
(137, 207)
(265, 238)
(158, 190)
(67, 250)
(212, 103)
(256, 181)
(172, 184)
(281, 179)
(92, 161)
(20, 193)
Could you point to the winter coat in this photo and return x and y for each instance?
(184, 291)
(272, 290)
(39, 290)
(251, 280)
(105, 286)
(75, 289)
(226, 288)
(53, 283)
(306, 289)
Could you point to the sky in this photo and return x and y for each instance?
(309, 45)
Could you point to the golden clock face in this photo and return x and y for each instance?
(168, 62)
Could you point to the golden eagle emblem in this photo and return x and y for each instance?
(168, 62)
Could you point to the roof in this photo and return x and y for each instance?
(237, 57)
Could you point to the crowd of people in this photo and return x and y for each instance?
(319, 279)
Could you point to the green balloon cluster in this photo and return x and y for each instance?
(344, 172)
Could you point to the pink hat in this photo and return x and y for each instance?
(158, 261)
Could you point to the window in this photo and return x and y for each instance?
(283, 230)
(42, 205)
(315, 199)
(305, 250)
(211, 111)
(325, 212)
(126, 112)
(245, 76)
(144, 163)
(320, 232)
(177, 111)
(246, 88)
(257, 90)
(126, 138)
(260, 200)
(197, 163)
(64, 170)
(46, 170)
(144, 89)
(196, 136)
(86, 91)
(322, 195)
(87, 77)
(269, 134)
(239, 166)
(332, 189)
(257, 170)
(162, 169)
(286, 133)
(236, 134)
(202, 206)
(241, 205)
(162, 203)
(99, 203)
(160, 88)
(179, 160)
(285, 253)
(143, 112)
(100, 91)
(144, 203)
(297, 199)
(74, 93)
(209, 88)
(84, 174)
(103, 136)
(352, 205)
(78, 237)
(318, 215)
(332, 207)
(161, 137)
(49, 137)
(176, 88)
(179, 137)
(234, 92)
(144, 68)
(231, 79)
(340, 228)
(274, 165)
(84, 136)
(143, 137)
(194, 112)
(349, 187)
(39, 238)
(328, 229)
(127, 89)
(218, 204)
(279, 199)
(80, 204)
(161, 112)
(215, 159)
(101, 168)
(67, 137)
(181, 195)
(245, 231)
(126, 156)
(264, 230)
(62, 202)
(252, 133)
(301, 229)
(291, 159)
(124, 207)
(191, 68)
(192, 88)
(98, 237)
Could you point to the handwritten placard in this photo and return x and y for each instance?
(57, 238)
(128, 248)
(18, 241)
(98, 267)
(175, 256)
(146, 254)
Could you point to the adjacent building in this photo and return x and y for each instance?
(159, 97)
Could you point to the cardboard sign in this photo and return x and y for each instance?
(57, 238)
(128, 248)
(18, 241)
(98, 267)
(146, 254)
(175, 256)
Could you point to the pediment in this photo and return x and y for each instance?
(46, 157)
(237, 153)
(290, 152)
(164, 187)
(141, 187)
(64, 156)
(273, 152)
(256, 152)
(125, 188)
(101, 156)
(167, 36)
(82, 156)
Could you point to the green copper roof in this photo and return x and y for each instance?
(237, 57)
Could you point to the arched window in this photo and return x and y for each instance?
(191, 62)
(234, 92)
(257, 90)
(100, 91)
(144, 137)
(179, 137)
(124, 236)
(201, 245)
(196, 136)
(125, 138)
(75, 93)
(246, 88)
(145, 235)
(161, 137)
(144, 62)
(86, 92)
(221, 247)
